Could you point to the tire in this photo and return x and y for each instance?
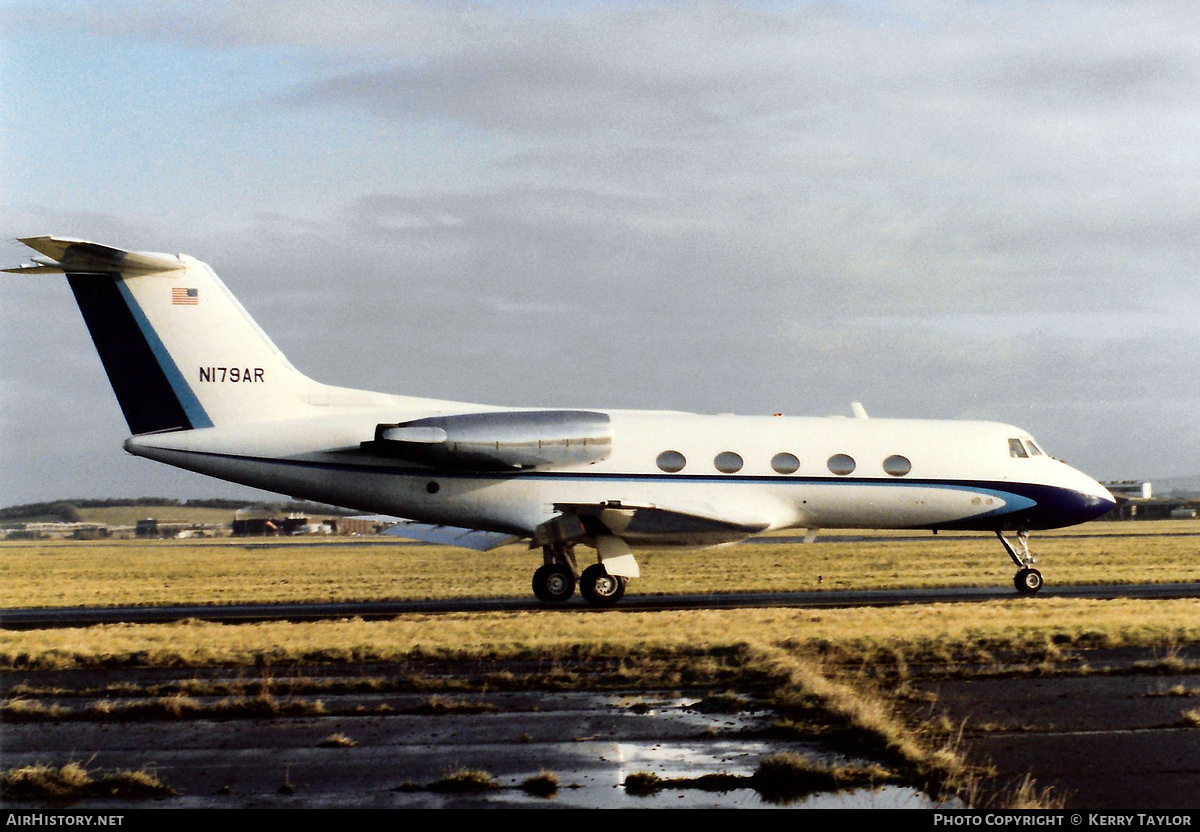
(599, 588)
(553, 583)
(1027, 581)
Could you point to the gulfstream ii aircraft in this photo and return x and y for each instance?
(203, 388)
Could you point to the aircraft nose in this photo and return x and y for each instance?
(1076, 502)
(1088, 506)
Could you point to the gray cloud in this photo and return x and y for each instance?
(983, 211)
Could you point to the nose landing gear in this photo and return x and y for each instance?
(1027, 580)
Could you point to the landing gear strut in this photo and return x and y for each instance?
(1027, 580)
(554, 580)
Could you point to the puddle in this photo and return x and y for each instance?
(592, 774)
(590, 742)
(588, 785)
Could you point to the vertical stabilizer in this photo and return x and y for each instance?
(180, 351)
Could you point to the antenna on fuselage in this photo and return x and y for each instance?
(858, 410)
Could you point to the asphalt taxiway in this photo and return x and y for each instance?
(53, 617)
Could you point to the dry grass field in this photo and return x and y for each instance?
(100, 573)
(864, 678)
(106, 573)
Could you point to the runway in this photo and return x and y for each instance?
(56, 617)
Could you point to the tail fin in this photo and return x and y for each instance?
(180, 351)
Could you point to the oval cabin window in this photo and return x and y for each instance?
(727, 462)
(785, 463)
(671, 461)
(841, 464)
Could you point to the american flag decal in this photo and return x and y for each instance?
(184, 297)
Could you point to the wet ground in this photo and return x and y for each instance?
(590, 742)
(1114, 738)
(1107, 743)
(1119, 743)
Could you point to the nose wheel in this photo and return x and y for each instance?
(1027, 580)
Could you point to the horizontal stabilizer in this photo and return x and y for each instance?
(476, 539)
(34, 268)
(67, 255)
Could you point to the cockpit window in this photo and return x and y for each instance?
(1015, 448)
(1034, 450)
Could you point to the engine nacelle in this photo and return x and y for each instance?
(498, 441)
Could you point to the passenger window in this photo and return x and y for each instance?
(841, 464)
(727, 462)
(897, 465)
(1015, 448)
(671, 461)
(785, 463)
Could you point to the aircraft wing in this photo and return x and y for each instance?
(652, 524)
(476, 539)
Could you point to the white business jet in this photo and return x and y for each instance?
(203, 388)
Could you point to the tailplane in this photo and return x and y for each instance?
(180, 351)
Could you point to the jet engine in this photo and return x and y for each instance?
(498, 440)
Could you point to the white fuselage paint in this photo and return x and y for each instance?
(960, 470)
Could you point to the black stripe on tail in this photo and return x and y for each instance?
(137, 377)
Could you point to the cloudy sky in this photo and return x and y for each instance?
(947, 210)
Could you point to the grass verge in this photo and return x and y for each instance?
(73, 782)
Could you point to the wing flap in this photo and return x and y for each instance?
(647, 524)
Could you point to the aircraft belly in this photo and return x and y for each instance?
(481, 503)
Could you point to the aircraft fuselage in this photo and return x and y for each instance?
(945, 474)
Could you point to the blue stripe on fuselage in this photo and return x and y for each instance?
(1027, 505)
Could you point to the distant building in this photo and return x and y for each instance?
(1136, 501)
(356, 525)
(57, 531)
(254, 522)
(1130, 488)
(261, 522)
(153, 529)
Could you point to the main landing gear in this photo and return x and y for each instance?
(599, 588)
(1027, 580)
(554, 581)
